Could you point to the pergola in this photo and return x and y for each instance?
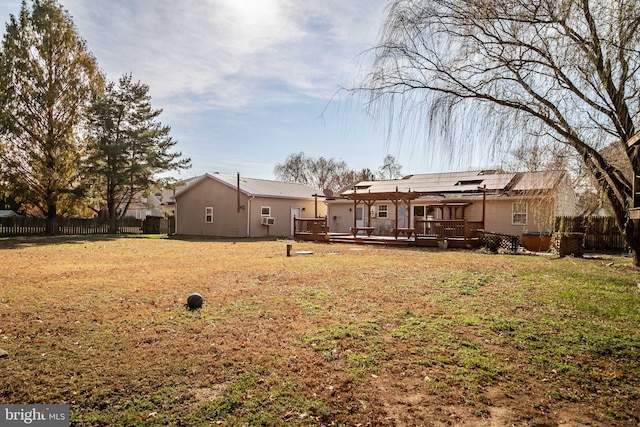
(397, 197)
(369, 199)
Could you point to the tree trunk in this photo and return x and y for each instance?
(113, 218)
(632, 233)
(52, 214)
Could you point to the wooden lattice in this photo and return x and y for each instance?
(497, 241)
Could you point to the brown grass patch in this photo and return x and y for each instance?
(378, 336)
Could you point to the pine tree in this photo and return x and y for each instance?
(129, 147)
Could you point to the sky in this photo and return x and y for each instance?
(243, 84)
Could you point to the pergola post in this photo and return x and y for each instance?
(355, 209)
(484, 203)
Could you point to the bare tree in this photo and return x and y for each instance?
(293, 169)
(551, 70)
(329, 173)
(320, 173)
(365, 174)
(533, 156)
(390, 168)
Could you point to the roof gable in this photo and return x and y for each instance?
(539, 181)
(257, 187)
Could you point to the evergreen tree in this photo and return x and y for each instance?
(129, 147)
(46, 79)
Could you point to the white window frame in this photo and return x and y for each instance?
(383, 211)
(265, 211)
(208, 215)
(517, 213)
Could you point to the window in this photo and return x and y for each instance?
(469, 182)
(208, 215)
(383, 211)
(431, 213)
(519, 213)
(265, 210)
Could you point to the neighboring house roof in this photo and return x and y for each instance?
(464, 182)
(7, 213)
(141, 202)
(166, 196)
(256, 187)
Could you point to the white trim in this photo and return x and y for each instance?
(208, 211)
(519, 212)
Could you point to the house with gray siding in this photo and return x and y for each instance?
(221, 205)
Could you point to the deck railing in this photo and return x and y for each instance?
(310, 228)
(447, 228)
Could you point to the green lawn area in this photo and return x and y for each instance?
(345, 336)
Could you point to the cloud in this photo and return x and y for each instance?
(230, 54)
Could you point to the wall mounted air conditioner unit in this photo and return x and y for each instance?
(267, 220)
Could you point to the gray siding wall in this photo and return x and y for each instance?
(281, 212)
(227, 222)
(340, 218)
(540, 214)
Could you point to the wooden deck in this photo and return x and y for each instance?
(420, 241)
(461, 234)
(369, 240)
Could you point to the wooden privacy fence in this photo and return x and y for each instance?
(30, 226)
(600, 232)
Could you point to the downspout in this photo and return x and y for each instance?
(175, 219)
(249, 216)
(241, 207)
(238, 193)
(484, 204)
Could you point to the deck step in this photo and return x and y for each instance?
(371, 241)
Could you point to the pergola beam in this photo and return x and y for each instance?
(394, 196)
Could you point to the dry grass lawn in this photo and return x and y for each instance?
(373, 336)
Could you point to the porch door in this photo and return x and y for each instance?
(295, 213)
(360, 216)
